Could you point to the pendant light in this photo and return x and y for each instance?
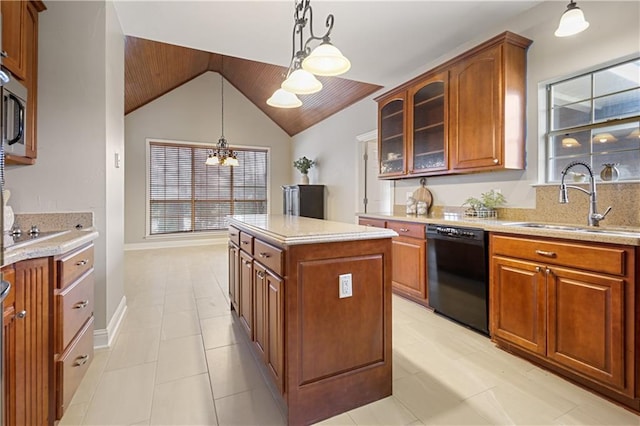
(222, 155)
(305, 64)
(572, 21)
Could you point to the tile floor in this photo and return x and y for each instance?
(180, 359)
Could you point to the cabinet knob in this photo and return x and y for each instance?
(538, 269)
(21, 314)
(81, 360)
(496, 161)
(260, 275)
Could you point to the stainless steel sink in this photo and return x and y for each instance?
(569, 228)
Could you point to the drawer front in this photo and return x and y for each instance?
(74, 264)
(269, 256)
(246, 242)
(589, 257)
(376, 223)
(72, 366)
(406, 229)
(74, 306)
(234, 235)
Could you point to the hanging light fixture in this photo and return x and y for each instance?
(325, 60)
(222, 155)
(572, 21)
(569, 142)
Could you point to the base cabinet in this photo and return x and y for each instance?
(571, 305)
(234, 278)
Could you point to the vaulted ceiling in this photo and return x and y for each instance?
(153, 69)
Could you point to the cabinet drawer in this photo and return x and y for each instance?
(74, 264)
(406, 229)
(246, 242)
(234, 235)
(74, 306)
(377, 223)
(72, 366)
(269, 256)
(589, 257)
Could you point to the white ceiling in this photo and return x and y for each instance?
(382, 39)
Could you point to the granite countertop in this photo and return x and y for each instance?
(292, 230)
(57, 244)
(602, 234)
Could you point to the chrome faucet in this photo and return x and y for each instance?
(594, 217)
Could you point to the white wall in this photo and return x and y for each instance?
(80, 85)
(191, 113)
(614, 33)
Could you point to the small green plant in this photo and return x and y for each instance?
(303, 165)
(488, 200)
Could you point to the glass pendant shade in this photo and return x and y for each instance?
(231, 161)
(302, 82)
(283, 99)
(326, 60)
(212, 160)
(604, 138)
(572, 22)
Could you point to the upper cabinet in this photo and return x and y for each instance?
(457, 118)
(20, 42)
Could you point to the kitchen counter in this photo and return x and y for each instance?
(52, 246)
(495, 225)
(293, 230)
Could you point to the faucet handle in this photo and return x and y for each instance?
(598, 217)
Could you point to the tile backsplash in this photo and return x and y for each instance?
(53, 221)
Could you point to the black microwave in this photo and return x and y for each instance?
(14, 118)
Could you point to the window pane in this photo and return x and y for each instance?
(556, 165)
(627, 163)
(572, 115)
(571, 91)
(617, 79)
(620, 105)
(615, 138)
(570, 144)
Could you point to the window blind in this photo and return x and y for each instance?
(185, 195)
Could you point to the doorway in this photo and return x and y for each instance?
(374, 195)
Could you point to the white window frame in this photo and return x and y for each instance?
(543, 114)
(191, 235)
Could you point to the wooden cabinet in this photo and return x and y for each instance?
(9, 348)
(274, 327)
(260, 308)
(29, 401)
(20, 41)
(409, 261)
(245, 312)
(234, 276)
(73, 322)
(466, 115)
(572, 305)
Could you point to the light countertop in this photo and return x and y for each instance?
(292, 230)
(602, 234)
(52, 246)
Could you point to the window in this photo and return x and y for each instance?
(185, 195)
(595, 118)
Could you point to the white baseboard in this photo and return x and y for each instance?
(170, 244)
(102, 338)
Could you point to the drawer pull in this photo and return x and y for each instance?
(21, 314)
(265, 255)
(244, 242)
(233, 234)
(81, 305)
(403, 230)
(246, 262)
(546, 253)
(82, 262)
(81, 360)
(260, 275)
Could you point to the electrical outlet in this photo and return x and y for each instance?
(346, 290)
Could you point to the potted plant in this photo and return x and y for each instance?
(303, 165)
(486, 205)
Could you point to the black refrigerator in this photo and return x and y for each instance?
(303, 200)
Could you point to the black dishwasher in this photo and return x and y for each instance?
(458, 274)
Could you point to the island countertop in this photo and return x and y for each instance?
(293, 230)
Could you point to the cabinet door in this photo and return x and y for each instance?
(408, 268)
(586, 324)
(9, 348)
(517, 303)
(234, 278)
(391, 139)
(33, 342)
(259, 308)
(476, 118)
(13, 36)
(246, 293)
(31, 66)
(275, 328)
(427, 141)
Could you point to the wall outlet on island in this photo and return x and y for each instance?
(346, 289)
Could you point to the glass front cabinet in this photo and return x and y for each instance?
(391, 139)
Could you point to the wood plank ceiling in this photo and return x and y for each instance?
(153, 68)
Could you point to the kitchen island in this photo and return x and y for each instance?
(314, 298)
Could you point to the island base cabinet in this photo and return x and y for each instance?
(234, 279)
(581, 322)
(274, 328)
(245, 311)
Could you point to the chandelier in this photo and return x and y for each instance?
(324, 60)
(222, 155)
